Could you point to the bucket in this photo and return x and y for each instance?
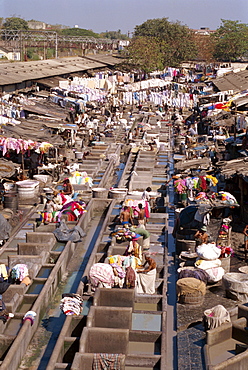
(183, 196)
(195, 299)
(117, 194)
(185, 245)
(10, 200)
(100, 192)
(79, 155)
(225, 263)
(27, 189)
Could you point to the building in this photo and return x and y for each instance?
(36, 25)
(10, 54)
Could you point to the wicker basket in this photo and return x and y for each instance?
(194, 299)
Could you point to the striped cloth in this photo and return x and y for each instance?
(106, 361)
(101, 274)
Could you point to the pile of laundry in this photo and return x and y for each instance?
(208, 260)
(71, 304)
(122, 235)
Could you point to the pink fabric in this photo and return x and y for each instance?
(102, 273)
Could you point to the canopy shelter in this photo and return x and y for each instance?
(32, 130)
(46, 108)
(234, 167)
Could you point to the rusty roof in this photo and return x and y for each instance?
(234, 167)
(18, 72)
(232, 81)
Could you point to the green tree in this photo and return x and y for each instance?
(171, 42)
(79, 32)
(205, 47)
(15, 23)
(144, 54)
(114, 35)
(230, 41)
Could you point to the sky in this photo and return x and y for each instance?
(112, 15)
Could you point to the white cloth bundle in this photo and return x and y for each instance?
(208, 251)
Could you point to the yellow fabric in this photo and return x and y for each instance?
(111, 260)
(213, 179)
(3, 271)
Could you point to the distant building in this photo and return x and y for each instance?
(10, 54)
(36, 25)
(204, 31)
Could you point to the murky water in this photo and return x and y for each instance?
(141, 348)
(149, 322)
(7, 253)
(115, 211)
(86, 307)
(158, 183)
(145, 306)
(44, 272)
(14, 326)
(25, 307)
(159, 178)
(13, 243)
(58, 247)
(35, 288)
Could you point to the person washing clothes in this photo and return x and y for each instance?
(146, 276)
(201, 236)
(126, 217)
(67, 187)
(145, 234)
(141, 216)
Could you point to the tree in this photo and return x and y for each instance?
(114, 35)
(230, 41)
(144, 54)
(170, 43)
(15, 23)
(205, 48)
(79, 32)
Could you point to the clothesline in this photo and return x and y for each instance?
(20, 145)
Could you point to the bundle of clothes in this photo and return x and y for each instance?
(207, 269)
(18, 274)
(71, 304)
(104, 361)
(124, 234)
(29, 316)
(55, 209)
(123, 272)
(192, 185)
(80, 178)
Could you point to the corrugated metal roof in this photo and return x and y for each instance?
(18, 72)
(241, 101)
(51, 81)
(106, 59)
(234, 167)
(232, 81)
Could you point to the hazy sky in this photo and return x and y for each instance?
(111, 15)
